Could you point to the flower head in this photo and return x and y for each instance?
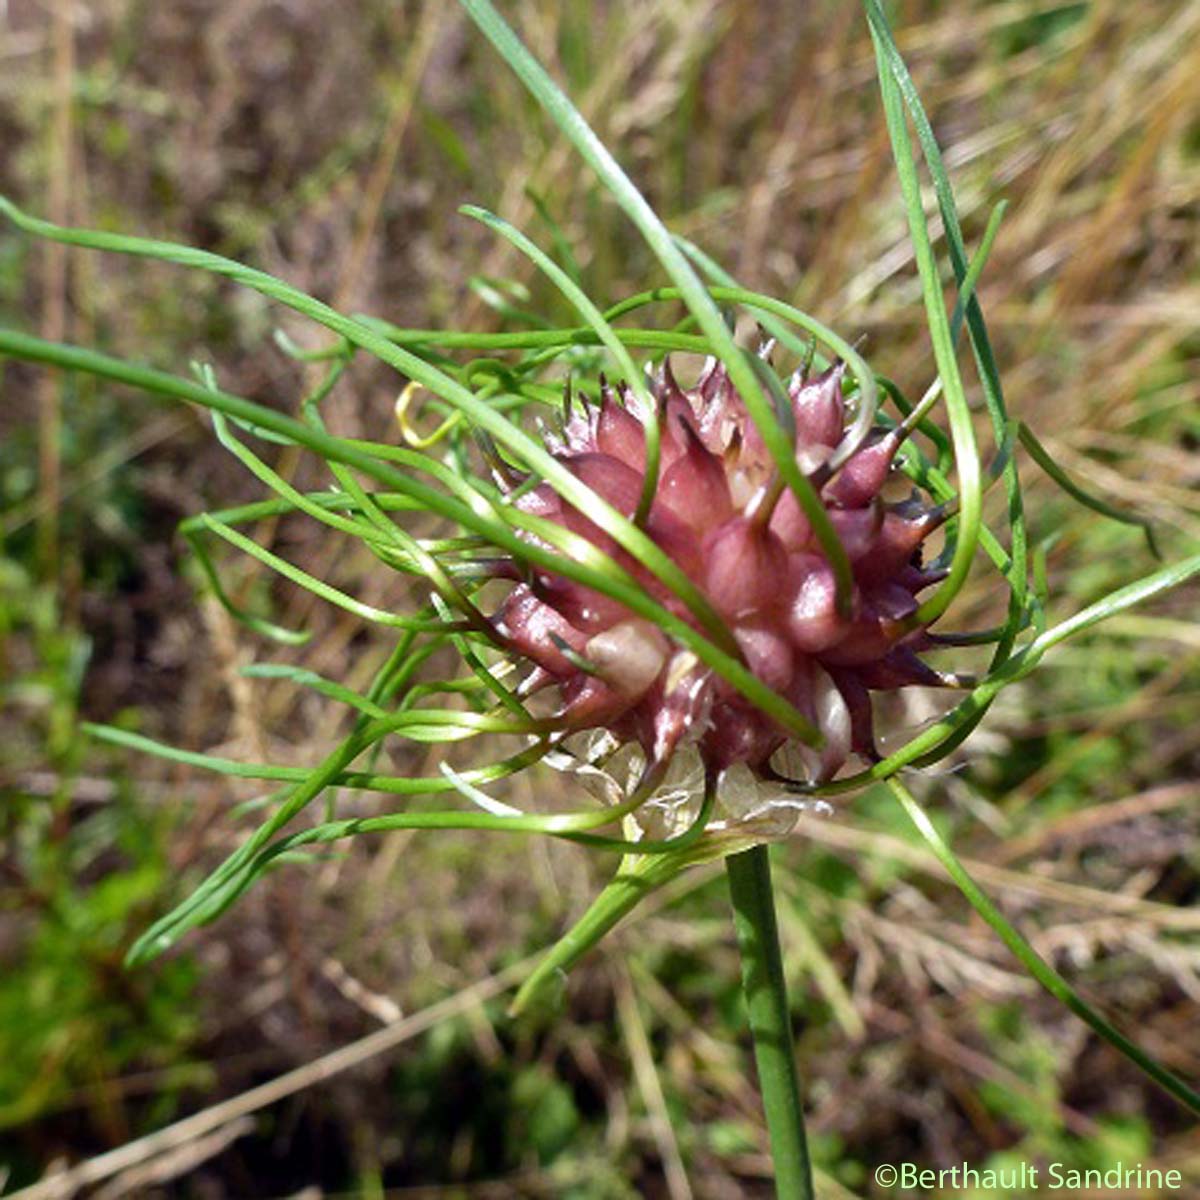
(721, 515)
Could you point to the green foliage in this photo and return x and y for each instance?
(1032, 1057)
(1038, 28)
(73, 1022)
(501, 1114)
(44, 664)
(72, 1017)
(544, 1115)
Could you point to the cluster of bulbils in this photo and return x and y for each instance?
(720, 514)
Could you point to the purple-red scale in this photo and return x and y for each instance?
(752, 553)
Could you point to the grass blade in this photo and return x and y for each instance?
(981, 345)
(1029, 958)
(966, 453)
(1043, 458)
(693, 292)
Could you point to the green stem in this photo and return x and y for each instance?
(770, 1022)
(632, 883)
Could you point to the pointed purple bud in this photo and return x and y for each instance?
(619, 434)
(862, 715)
(609, 478)
(916, 579)
(754, 456)
(541, 501)
(768, 655)
(820, 410)
(583, 607)
(900, 668)
(694, 486)
(789, 523)
(676, 420)
(739, 735)
(530, 628)
(684, 708)
(862, 475)
(889, 602)
(879, 625)
(614, 482)
(713, 381)
(679, 542)
(588, 701)
(813, 623)
(722, 414)
(858, 530)
(746, 565)
(893, 546)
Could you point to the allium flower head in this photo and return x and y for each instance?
(719, 512)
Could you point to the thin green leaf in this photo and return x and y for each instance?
(295, 498)
(1044, 459)
(257, 624)
(596, 569)
(418, 785)
(595, 319)
(1029, 958)
(966, 454)
(562, 243)
(1119, 601)
(364, 335)
(674, 262)
(635, 879)
(976, 326)
(318, 683)
(310, 583)
(966, 287)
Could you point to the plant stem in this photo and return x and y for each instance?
(770, 1023)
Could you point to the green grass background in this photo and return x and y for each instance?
(332, 144)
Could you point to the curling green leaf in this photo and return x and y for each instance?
(1033, 962)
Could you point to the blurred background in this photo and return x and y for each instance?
(331, 144)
